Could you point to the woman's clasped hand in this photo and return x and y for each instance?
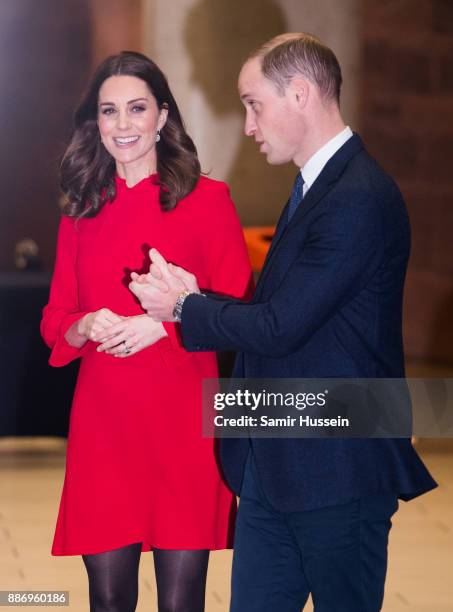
(129, 335)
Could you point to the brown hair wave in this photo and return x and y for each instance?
(87, 170)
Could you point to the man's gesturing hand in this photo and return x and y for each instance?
(159, 290)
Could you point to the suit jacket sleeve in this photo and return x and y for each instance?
(343, 250)
(63, 307)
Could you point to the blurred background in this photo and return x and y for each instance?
(396, 57)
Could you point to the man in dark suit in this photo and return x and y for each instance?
(314, 514)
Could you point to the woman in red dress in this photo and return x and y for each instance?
(139, 474)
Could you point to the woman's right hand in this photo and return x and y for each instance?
(95, 322)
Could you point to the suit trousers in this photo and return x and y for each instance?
(336, 553)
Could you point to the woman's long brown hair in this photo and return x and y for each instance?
(88, 171)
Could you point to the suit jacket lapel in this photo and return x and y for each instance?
(327, 178)
(279, 231)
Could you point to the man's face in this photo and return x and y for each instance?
(272, 118)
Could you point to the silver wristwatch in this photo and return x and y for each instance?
(177, 310)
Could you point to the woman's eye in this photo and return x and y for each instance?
(108, 111)
(138, 109)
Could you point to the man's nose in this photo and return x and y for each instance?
(249, 126)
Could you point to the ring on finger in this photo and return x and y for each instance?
(126, 350)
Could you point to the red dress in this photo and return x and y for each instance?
(137, 466)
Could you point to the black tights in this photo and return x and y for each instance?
(180, 578)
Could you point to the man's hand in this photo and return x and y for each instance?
(157, 271)
(159, 290)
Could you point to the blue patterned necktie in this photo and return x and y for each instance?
(296, 195)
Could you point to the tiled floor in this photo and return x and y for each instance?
(421, 549)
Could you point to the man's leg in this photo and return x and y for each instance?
(344, 553)
(267, 568)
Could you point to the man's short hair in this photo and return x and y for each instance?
(288, 55)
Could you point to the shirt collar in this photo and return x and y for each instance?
(316, 163)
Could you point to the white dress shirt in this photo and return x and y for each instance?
(316, 163)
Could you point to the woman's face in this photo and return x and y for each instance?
(128, 120)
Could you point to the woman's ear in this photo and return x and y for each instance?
(163, 116)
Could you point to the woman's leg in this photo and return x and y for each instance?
(113, 579)
(181, 579)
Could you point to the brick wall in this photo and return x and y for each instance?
(406, 118)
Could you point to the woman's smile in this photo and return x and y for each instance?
(125, 142)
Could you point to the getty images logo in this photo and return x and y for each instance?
(267, 399)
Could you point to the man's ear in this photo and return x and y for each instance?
(299, 88)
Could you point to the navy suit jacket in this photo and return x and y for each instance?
(328, 304)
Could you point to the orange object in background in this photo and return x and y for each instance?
(258, 240)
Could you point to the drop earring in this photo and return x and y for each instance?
(158, 136)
